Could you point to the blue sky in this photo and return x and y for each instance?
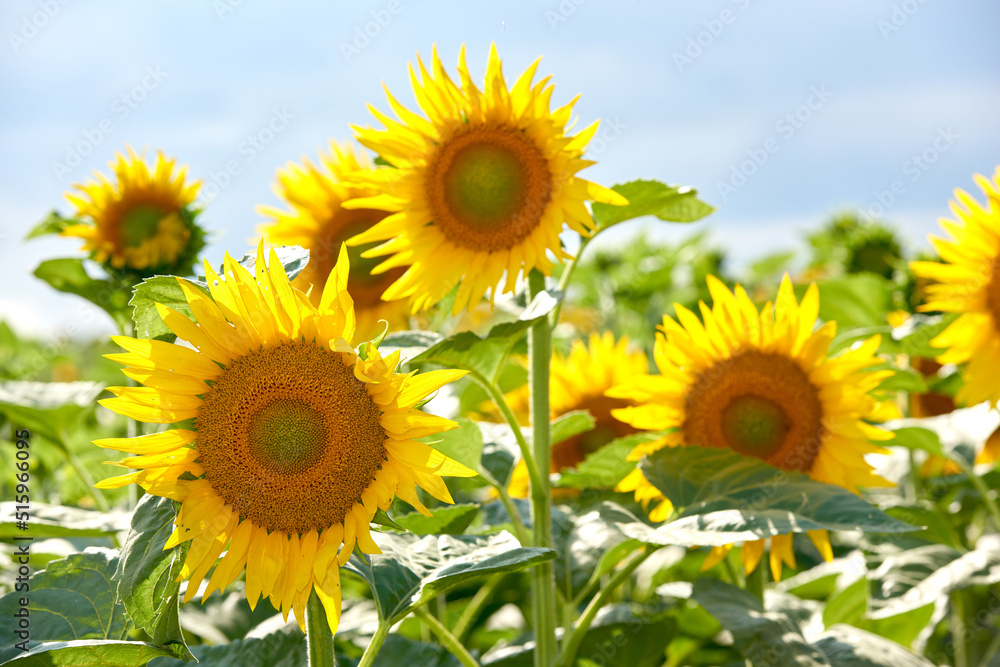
(831, 102)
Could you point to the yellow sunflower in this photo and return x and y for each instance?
(579, 381)
(967, 281)
(141, 220)
(318, 222)
(762, 384)
(482, 186)
(288, 442)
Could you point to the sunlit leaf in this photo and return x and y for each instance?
(673, 203)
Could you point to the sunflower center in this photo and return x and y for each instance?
(759, 404)
(571, 452)
(488, 187)
(140, 223)
(289, 437)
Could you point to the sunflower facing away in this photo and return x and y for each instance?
(761, 384)
(578, 382)
(967, 281)
(287, 440)
(141, 221)
(481, 186)
(318, 222)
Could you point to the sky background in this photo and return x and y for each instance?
(688, 93)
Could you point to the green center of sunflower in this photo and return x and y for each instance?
(485, 185)
(754, 426)
(140, 223)
(287, 436)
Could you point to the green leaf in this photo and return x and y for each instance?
(88, 653)
(464, 444)
(158, 289)
(68, 275)
(147, 575)
(411, 569)
(72, 598)
(400, 651)
(53, 223)
(572, 423)
(673, 203)
(770, 266)
(902, 380)
(845, 645)
(47, 408)
(607, 466)
(764, 637)
(917, 437)
(591, 546)
(278, 649)
(937, 526)
(855, 301)
(917, 342)
(719, 491)
(409, 343)
(848, 605)
(485, 356)
(60, 521)
(926, 575)
(447, 520)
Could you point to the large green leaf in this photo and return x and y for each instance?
(278, 649)
(59, 521)
(398, 650)
(464, 444)
(148, 293)
(88, 653)
(71, 599)
(447, 520)
(938, 436)
(47, 408)
(69, 275)
(927, 575)
(720, 491)
(607, 466)
(846, 645)
(572, 423)
(591, 545)
(411, 569)
(916, 341)
(673, 203)
(485, 356)
(855, 301)
(147, 575)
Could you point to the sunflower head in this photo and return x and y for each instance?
(759, 382)
(285, 441)
(140, 221)
(486, 179)
(967, 281)
(317, 221)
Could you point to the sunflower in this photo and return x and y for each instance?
(578, 382)
(288, 441)
(141, 221)
(480, 187)
(967, 281)
(318, 222)
(761, 384)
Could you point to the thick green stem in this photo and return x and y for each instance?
(543, 583)
(448, 640)
(566, 276)
(958, 632)
(572, 644)
(319, 638)
(755, 582)
(498, 399)
(472, 610)
(368, 658)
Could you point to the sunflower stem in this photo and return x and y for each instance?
(567, 274)
(572, 644)
(472, 610)
(755, 582)
(319, 638)
(508, 415)
(958, 632)
(543, 583)
(520, 531)
(448, 640)
(368, 658)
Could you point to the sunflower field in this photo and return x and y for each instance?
(419, 420)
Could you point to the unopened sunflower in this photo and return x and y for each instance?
(287, 441)
(318, 222)
(762, 384)
(480, 187)
(579, 381)
(967, 281)
(141, 220)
